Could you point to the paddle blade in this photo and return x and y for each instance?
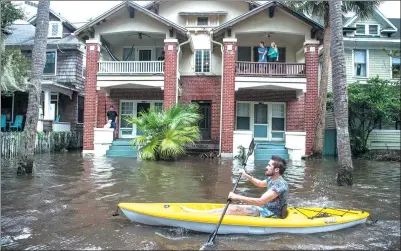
(211, 238)
(251, 147)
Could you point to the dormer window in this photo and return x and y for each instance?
(367, 29)
(203, 21)
(55, 29)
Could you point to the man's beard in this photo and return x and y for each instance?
(268, 174)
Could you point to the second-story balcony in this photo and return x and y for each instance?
(130, 74)
(131, 68)
(257, 69)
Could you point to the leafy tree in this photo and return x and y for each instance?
(320, 10)
(370, 104)
(165, 133)
(14, 65)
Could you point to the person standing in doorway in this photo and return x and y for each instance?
(112, 115)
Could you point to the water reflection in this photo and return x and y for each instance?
(68, 203)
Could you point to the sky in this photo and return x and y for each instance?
(82, 11)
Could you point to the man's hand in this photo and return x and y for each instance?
(242, 172)
(232, 196)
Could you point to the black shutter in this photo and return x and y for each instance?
(281, 54)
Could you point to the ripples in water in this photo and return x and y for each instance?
(68, 202)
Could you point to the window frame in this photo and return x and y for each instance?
(83, 109)
(60, 29)
(367, 63)
(197, 21)
(202, 62)
(55, 63)
(391, 66)
(367, 29)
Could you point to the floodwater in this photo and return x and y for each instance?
(68, 202)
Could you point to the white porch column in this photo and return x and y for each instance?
(46, 108)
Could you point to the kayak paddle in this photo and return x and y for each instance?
(213, 235)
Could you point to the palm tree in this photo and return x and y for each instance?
(320, 10)
(35, 89)
(340, 92)
(165, 133)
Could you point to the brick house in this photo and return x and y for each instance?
(63, 77)
(210, 58)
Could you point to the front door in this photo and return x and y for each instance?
(144, 106)
(205, 123)
(134, 108)
(260, 124)
(144, 55)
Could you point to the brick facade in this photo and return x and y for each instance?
(295, 115)
(170, 72)
(90, 111)
(311, 95)
(230, 55)
(205, 89)
(118, 94)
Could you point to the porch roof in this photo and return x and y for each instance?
(137, 7)
(263, 7)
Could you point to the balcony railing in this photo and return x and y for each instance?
(131, 67)
(270, 69)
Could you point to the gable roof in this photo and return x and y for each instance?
(376, 10)
(263, 7)
(24, 35)
(396, 23)
(137, 7)
(54, 13)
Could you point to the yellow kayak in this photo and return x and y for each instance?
(299, 220)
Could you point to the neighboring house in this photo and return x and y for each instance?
(211, 59)
(62, 101)
(364, 41)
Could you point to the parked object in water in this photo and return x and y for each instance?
(298, 220)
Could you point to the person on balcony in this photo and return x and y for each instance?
(273, 54)
(262, 51)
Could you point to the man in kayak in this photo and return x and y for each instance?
(270, 204)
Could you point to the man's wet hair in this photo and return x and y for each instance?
(279, 163)
(262, 43)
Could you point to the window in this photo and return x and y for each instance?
(55, 29)
(278, 123)
(395, 67)
(367, 29)
(360, 65)
(50, 66)
(243, 116)
(203, 21)
(158, 106)
(202, 61)
(360, 29)
(83, 65)
(80, 109)
(128, 54)
(373, 29)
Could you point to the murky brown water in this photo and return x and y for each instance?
(69, 201)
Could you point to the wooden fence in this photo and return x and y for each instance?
(12, 142)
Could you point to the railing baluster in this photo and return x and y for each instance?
(270, 69)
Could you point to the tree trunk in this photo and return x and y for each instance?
(317, 147)
(35, 89)
(340, 95)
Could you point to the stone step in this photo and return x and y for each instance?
(266, 156)
(271, 151)
(120, 142)
(121, 153)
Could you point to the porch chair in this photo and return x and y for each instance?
(3, 122)
(17, 123)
